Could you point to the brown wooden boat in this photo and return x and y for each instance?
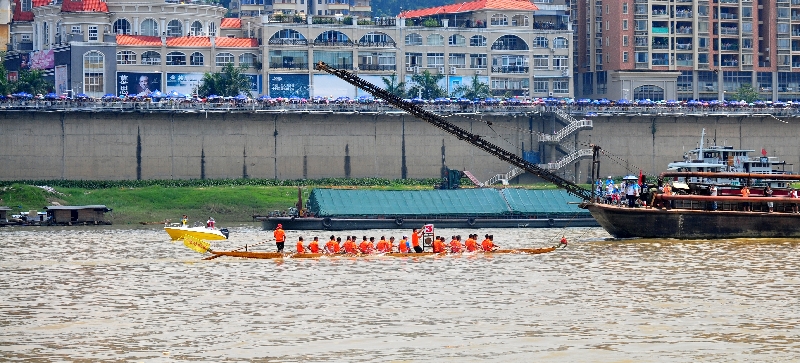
(274, 255)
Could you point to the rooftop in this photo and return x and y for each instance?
(231, 23)
(72, 6)
(194, 42)
(471, 6)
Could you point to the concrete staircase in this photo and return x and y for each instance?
(573, 125)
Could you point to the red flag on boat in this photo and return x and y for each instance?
(641, 177)
(763, 152)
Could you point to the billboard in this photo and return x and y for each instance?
(288, 85)
(455, 82)
(12, 76)
(43, 59)
(61, 77)
(185, 83)
(255, 83)
(136, 83)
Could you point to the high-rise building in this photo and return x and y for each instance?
(686, 49)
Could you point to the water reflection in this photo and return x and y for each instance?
(129, 294)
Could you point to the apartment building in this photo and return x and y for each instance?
(686, 49)
(512, 45)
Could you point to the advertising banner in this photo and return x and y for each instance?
(185, 83)
(12, 76)
(61, 79)
(138, 84)
(288, 85)
(328, 85)
(255, 84)
(43, 59)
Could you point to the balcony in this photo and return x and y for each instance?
(729, 30)
(683, 14)
(377, 44)
(328, 43)
(286, 65)
(377, 67)
(287, 41)
(660, 46)
(684, 30)
(660, 62)
(660, 30)
(510, 69)
(683, 47)
(728, 16)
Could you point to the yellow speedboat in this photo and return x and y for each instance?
(204, 233)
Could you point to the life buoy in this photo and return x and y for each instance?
(551, 222)
(471, 221)
(398, 221)
(326, 222)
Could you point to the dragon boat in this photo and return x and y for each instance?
(278, 255)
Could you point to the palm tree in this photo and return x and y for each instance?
(393, 86)
(231, 81)
(474, 89)
(427, 85)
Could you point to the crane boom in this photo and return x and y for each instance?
(456, 131)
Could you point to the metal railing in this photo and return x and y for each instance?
(568, 159)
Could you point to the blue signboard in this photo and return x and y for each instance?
(289, 85)
(255, 83)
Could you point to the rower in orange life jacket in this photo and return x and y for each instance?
(363, 247)
(402, 246)
(438, 245)
(455, 244)
(415, 240)
(350, 246)
(300, 247)
(331, 246)
(383, 246)
(371, 245)
(488, 243)
(280, 237)
(563, 241)
(390, 244)
(314, 245)
(470, 244)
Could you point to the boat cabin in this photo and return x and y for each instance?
(4, 213)
(77, 214)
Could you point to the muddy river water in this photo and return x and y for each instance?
(128, 294)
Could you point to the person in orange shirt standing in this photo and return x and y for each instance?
(455, 244)
(402, 247)
(438, 245)
(470, 244)
(280, 237)
(415, 235)
(300, 247)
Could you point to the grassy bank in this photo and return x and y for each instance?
(150, 201)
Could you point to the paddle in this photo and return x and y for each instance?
(238, 249)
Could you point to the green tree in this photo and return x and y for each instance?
(33, 82)
(231, 81)
(474, 89)
(426, 85)
(5, 87)
(394, 86)
(746, 93)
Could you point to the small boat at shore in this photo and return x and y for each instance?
(276, 255)
(202, 233)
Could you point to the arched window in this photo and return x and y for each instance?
(122, 26)
(196, 59)
(174, 28)
(376, 39)
(648, 92)
(150, 27)
(435, 39)
(540, 42)
(176, 59)
(457, 40)
(212, 29)
(223, 59)
(197, 28)
(413, 39)
(509, 42)
(499, 20)
(247, 59)
(288, 36)
(477, 41)
(126, 57)
(332, 36)
(151, 58)
(560, 43)
(520, 20)
(93, 73)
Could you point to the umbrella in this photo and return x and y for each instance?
(241, 97)
(630, 177)
(51, 96)
(81, 95)
(175, 94)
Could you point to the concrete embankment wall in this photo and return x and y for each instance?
(114, 146)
